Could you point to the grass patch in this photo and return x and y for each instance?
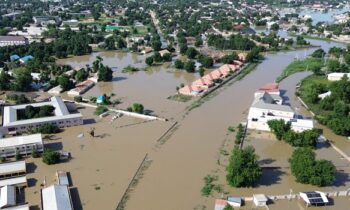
(307, 64)
(130, 69)
(208, 185)
(180, 98)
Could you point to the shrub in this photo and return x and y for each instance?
(46, 129)
(35, 153)
(100, 109)
(51, 157)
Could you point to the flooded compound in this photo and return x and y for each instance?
(102, 167)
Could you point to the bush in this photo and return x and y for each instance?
(100, 109)
(208, 185)
(190, 66)
(35, 153)
(51, 157)
(179, 64)
(78, 98)
(2, 159)
(18, 155)
(137, 108)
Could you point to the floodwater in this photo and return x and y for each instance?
(102, 167)
(317, 16)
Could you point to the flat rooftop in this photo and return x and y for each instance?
(21, 140)
(12, 167)
(61, 112)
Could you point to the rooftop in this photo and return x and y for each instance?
(12, 39)
(56, 197)
(12, 167)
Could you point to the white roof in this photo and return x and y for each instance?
(62, 178)
(22, 180)
(7, 196)
(12, 167)
(338, 74)
(56, 197)
(260, 197)
(56, 90)
(61, 113)
(22, 207)
(21, 140)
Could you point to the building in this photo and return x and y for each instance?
(20, 181)
(12, 169)
(234, 201)
(56, 197)
(56, 90)
(337, 76)
(46, 20)
(260, 199)
(220, 204)
(25, 59)
(7, 196)
(21, 207)
(62, 178)
(315, 198)
(22, 144)
(70, 23)
(14, 57)
(62, 117)
(163, 52)
(12, 41)
(81, 88)
(268, 105)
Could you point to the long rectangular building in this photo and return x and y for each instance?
(18, 182)
(25, 145)
(12, 169)
(61, 118)
(56, 197)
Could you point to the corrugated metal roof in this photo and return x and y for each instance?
(8, 196)
(12, 167)
(21, 140)
(56, 197)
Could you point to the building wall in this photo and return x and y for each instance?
(24, 149)
(11, 43)
(60, 123)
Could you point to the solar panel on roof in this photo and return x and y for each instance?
(313, 195)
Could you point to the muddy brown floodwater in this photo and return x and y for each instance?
(102, 167)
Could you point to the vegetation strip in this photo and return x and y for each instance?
(133, 182)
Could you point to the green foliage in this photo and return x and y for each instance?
(23, 81)
(149, 61)
(243, 169)
(65, 82)
(208, 185)
(130, 69)
(81, 75)
(227, 59)
(35, 153)
(138, 108)
(78, 98)
(206, 61)
(179, 64)
(308, 170)
(228, 207)
(51, 157)
(18, 99)
(189, 66)
(18, 156)
(309, 64)
(100, 109)
(283, 131)
(5, 83)
(235, 42)
(2, 159)
(254, 55)
(239, 134)
(30, 112)
(191, 53)
(319, 53)
(46, 129)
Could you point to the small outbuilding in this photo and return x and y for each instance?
(14, 57)
(315, 198)
(25, 59)
(260, 199)
(100, 99)
(234, 201)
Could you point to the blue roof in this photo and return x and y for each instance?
(100, 97)
(25, 59)
(14, 57)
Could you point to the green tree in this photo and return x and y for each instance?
(243, 169)
(100, 109)
(51, 157)
(81, 75)
(227, 59)
(23, 80)
(138, 108)
(319, 53)
(190, 66)
(191, 53)
(333, 65)
(179, 64)
(105, 73)
(157, 57)
(278, 127)
(149, 60)
(110, 43)
(65, 82)
(228, 207)
(5, 83)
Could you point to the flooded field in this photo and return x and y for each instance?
(102, 167)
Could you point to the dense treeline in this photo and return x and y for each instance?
(283, 131)
(234, 42)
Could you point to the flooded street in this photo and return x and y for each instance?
(174, 178)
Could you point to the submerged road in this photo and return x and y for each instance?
(174, 179)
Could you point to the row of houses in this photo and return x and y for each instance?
(13, 41)
(202, 85)
(269, 105)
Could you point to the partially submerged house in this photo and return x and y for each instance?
(25, 145)
(7, 196)
(315, 198)
(56, 197)
(12, 169)
(260, 200)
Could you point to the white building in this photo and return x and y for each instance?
(61, 117)
(260, 200)
(12, 169)
(315, 198)
(21, 207)
(337, 76)
(7, 196)
(12, 40)
(17, 181)
(56, 90)
(23, 144)
(56, 197)
(269, 106)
